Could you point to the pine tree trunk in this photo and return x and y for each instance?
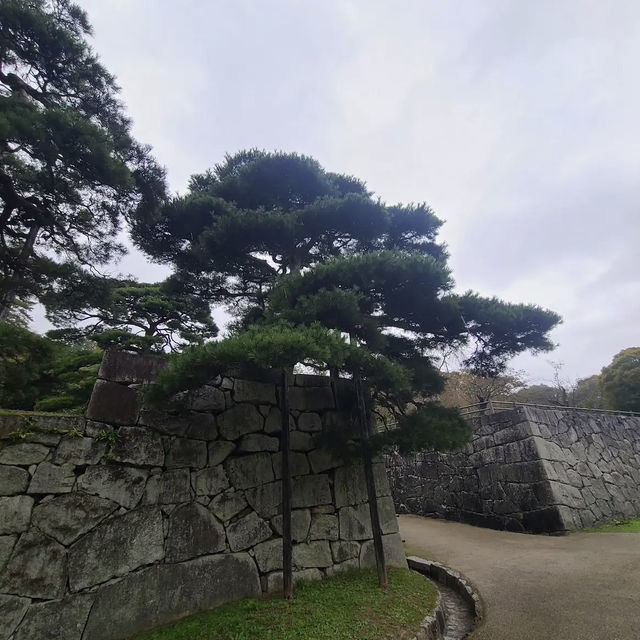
(287, 547)
(371, 484)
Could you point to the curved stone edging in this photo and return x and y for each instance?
(433, 627)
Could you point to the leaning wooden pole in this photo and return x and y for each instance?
(378, 549)
(285, 440)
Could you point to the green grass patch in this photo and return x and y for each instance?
(350, 606)
(623, 526)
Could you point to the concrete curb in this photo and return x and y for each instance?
(434, 625)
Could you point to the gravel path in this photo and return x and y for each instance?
(585, 586)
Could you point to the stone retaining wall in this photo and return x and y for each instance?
(132, 517)
(529, 469)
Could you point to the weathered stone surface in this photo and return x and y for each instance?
(309, 491)
(13, 480)
(15, 514)
(79, 451)
(249, 471)
(122, 366)
(169, 487)
(255, 392)
(184, 452)
(113, 403)
(37, 568)
(193, 531)
(247, 532)
(70, 516)
(228, 504)
(210, 481)
(23, 453)
(269, 555)
(341, 567)
(274, 580)
(138, 446)
(355, 523)
(6, 546)
(393, 552)
(208, 398)
(349, 485)
(301, 441)
(116, 547)
(12, 610)
(311, 398)
(265, 499)
(51, 478)
(219, 450)
(122, 484)
(163, 593)
(239, 420)
(387, 514)
(322, 460)
(253, 442)
(56, 620)
(312, 554)
(309, 422)
(201, 426)
(300, 523)
(343, 550)
(324, 527)
(273, 421)
(297, 462)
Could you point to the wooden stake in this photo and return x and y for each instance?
(287, 547)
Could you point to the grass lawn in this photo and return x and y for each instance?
(625, 526)
(349, 606)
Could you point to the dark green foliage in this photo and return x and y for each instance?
(621, 381)
(69, 169)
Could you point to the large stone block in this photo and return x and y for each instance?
(343, 550)
(228, 504)
(310, 491)
(254, 442)
(185, 452)
(15, 514)
(70, 516)
(355, 523)
(201, 426)
(163, 593)
(265, 499)
(300, 523)
(79, 451)
(324, 527)
(193, 531)
(113, 403)
(323, 460)
(138, 446)
(249, 471)
(268, 555)
(247, 532)
(208, 398)
(274, 580)
(52, 478)
(301, 441)
(349, 485)
(219, 450)
(169, 487)
(122, 484)
(6, 546)
(56, 620)
(37, 568)
(123, 366)
(23, 453)
(12, 610)
(387, 515)
(309, 422)
(273, 421)
(255, 392)
(311, 398)
(240, 420)
(312, 554)
(116, 547)
(13, 480)
(297, 462)
(393, 552)
(210, 481)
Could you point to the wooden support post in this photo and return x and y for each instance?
(287, 547)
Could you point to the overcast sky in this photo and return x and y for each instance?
(518, 122)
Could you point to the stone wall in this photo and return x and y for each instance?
(529, 469)
(133, 517)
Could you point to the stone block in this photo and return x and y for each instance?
(184, 452)
(349, 485)
(201, 426)
(347, 565)
(311, 380)
(268, 555)
(323, 460)
(161, 594)
(210, 481)
(23, 453)
(247, 532)
(343, 550)
(311, 398)
(6, 547)
(301, 441)
(127, 367)
(312, 554)
(273, 421)
(355, 523)
(169, 487)
(297, 462)
(208, 398)
(274, 580)
(15, 514)
(309, 491)
(116, 547)
(121, 484)
(13, 480)
(37, 568)
(265, 499)
(300, 522)
(219, 450)
(255, 392)
(193, 531)
(12, 610)
(249, 471)
(113, 403)
(393, 552)
(228, 504)
(254, 442)
(79, 451)
(310, 422)
(240, 420)
(69, 516)
(324, 527)
(56, 620)
(138, 446)
(51, 478)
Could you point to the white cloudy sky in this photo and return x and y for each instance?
(518, 122)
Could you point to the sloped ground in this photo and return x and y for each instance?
(585, 586)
